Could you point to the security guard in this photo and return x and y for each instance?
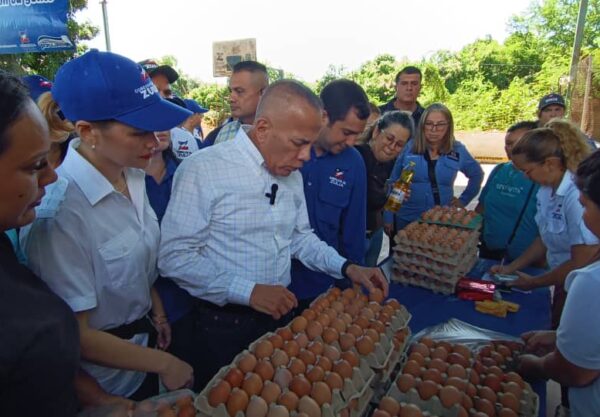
(335, 185)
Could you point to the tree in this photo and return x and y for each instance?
(47, 64)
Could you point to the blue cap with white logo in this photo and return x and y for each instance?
(37, 85)
(106, 86)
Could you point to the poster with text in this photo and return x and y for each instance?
(228, 53)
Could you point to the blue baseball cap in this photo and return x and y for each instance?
(107, 86)
(37, 85)
(193, 106)
(551, 99)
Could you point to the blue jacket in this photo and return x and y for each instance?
(335, 187)
(446, 168)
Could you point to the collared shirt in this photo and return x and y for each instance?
(335, 191)
(505, 195)
(221, 235)
(228, 131)
(97, 250)
(560, 221)
(416, 115)
(578, 335)
(184, 143)
(159, 194)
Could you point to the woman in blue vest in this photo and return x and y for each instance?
(438, 157)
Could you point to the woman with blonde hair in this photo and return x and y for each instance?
(549, 156)
(60, 128)
(438, 157)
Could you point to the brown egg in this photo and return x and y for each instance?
(166, 412)
(457, 370)
(364, 345)
(247, 362)
(315, 347)
(417, 357)
(302, 340)
(291, 348)
(330, 335)
(252, 384)
(355, 330)
(390, 405)
(488, 394)
(351, 357)
(264, 369)
(474, 377)
(461, 384)
(237, 401)
(377, 326)
(507, 412)
(348, 293)
(384, 318)
(478, 366)
(282, 377)
(471, 390)
(376, 295)
(450, 395)
(462, 350)
(380, 413)
(513, 388)
(321, 393)
(338, 324)
(347, 318)
(427, 341)
(479, 414)
(289, 400)
(372, 334)
(297, 366)
(219, 393)
(410, 410)
(457, 358)
(488, 362)
(263, 349)
(257, 407)
(462, 412)
(309, 406)
(309, 314)
(432, 374)
(467, 402)
(314, 330)
(307, 357)
(279, 358)
(347, 341)
(285, 333)
(331, 313)
(334, 380)
(439, 353)
(514, 377)
(278, 411)
(412, 368)
(188, 410)
(485, 407)
(315, 373)
(492, 381)
(406, 382)
(324, 363)
(498, 357)
(276, 341)
(331, 353)
(343, 368)
(438, 364)
(338, 306)
(300, 385)
(509, 400)
(323, 319)
(389, 310)
(362, 322)
(496, 371)
(504, 350)
(270, 391)
(428, 389)
(394, 303)
(234, 377)
(420, 348)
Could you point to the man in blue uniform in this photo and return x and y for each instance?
(408, 88)
(335, 185)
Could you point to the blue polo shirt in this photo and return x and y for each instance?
(176, 301)
(504, 196)
(335, 188)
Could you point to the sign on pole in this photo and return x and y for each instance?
(228, 53)
(34, 26)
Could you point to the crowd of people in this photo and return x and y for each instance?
(138, 253)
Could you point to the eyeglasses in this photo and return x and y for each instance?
(435, 126)
(390, 140)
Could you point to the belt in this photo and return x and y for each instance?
(127, 331)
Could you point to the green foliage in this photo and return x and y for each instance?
(215, 98)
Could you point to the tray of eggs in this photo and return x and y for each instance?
(452, 216)
(436, 242)
(438, 284)
(437, 270)
(449, 380)
(426, 257)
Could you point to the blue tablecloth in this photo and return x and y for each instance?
(428, 309)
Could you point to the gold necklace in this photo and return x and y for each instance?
(123, 188)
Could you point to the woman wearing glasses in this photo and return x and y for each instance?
(438, 157)
(381, 143)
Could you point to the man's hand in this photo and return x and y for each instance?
(388, 228)
(274, 300)
(524, 282)
(531, 367)
(539, 342)
(370, 278)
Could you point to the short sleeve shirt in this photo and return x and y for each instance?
(578, 337)
(560, 221)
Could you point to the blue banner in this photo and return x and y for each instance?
(33, 26)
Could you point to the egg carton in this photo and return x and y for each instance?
(419, 255)
(474, 223)
(206, 410)
(438, 253)
(510, 363)
(529, 403)
(403, 238)
(433, 405)
(383, 378)
(363, 403)
(445, 287)
(413, 264)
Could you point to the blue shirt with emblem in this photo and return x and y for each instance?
(176, 301)
(421, 193)
(507, 192)
(335, 188)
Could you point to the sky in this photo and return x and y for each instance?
(302, 37)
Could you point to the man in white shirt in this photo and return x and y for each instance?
(237, 216)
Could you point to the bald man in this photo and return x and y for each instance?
(237, 216)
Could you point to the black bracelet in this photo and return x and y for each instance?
(345, 267)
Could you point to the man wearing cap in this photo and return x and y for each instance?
(247, 82)
(408, 88)
(162, 76)
(552, 106)
(194, 122)
(237, 216)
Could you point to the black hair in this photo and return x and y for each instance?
(587, 177)
(250, 66)
(341, 96)
(398, 117)
(526, 125)
(177, 100)
(14, 96)
(409, 70)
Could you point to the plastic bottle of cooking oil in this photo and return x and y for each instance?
(400, 188)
